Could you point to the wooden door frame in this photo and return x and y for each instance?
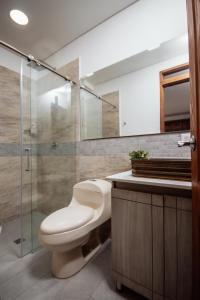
(193, 12)
(166, 82)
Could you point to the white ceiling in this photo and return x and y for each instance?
(53, 23)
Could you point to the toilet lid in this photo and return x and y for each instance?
(67, 219)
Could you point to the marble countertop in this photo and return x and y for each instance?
(129, 178)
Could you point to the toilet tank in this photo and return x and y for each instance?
(95, 193)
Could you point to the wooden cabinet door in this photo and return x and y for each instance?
(184, 249)
(132, 241)
(120, 236)
(158, 252)
(152, 245)
(140, 243)
(178, 249)
(170, 250)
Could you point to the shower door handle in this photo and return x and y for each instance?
(27, 152)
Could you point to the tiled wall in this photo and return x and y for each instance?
(57, 165)
(103, 157)
(12, 197)
(9, 143)
(53, 169)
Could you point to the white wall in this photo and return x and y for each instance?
(139, 103)
(133, 30)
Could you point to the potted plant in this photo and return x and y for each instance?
(137, 157)
(140, 154)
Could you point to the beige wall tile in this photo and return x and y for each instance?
(9, 106)
(102, 166)
(56, 177)
(10, 184)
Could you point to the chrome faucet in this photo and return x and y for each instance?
(191, 143)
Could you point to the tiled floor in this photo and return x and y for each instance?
(30, 278)
(12, 231)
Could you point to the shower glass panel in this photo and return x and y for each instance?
(37, 150)
(91, 116)
(99, 117)
(26, 151)
(10, 162)
(48, 148)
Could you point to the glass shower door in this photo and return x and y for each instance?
(26, 151)
(48, 169)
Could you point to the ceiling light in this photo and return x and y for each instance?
(19, 17)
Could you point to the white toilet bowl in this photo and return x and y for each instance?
(65, 231)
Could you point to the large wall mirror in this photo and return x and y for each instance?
(146, 93)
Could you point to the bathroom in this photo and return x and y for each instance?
(97, 98)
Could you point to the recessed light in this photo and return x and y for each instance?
(19, 17)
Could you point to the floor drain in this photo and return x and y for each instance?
(19, 241)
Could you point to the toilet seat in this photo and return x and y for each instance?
(67, 219)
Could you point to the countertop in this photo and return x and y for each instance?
(129, 178)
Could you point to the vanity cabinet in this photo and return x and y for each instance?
(152, 243)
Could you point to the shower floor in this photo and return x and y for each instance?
(11, 234)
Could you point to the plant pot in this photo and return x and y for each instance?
(174, 169)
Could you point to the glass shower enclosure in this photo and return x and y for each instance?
(41, 172)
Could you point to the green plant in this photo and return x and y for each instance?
(140, 154)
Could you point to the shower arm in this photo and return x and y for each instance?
(31, 58)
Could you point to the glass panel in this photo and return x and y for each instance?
(91, 116)
(26, 170)
(10, 170)
(110, 115)
(37, 150)
(53, 146)
(99, 118)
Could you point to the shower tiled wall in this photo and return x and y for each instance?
(53, 169)
(9, 143)
(57, 165)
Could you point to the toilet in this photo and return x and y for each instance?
(65, 231)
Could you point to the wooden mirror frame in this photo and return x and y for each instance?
(166, 82)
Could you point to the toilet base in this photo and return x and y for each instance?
(66, 264)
